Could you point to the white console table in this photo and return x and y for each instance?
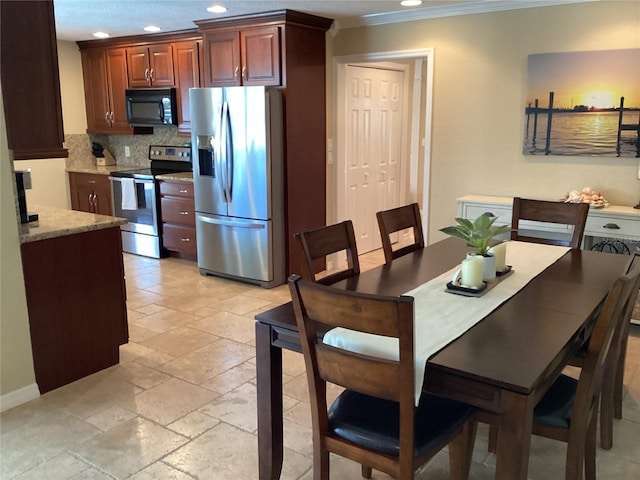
(614, 221)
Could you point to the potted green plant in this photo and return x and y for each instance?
(477, 234)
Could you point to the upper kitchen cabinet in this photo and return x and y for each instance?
(247, 56)
(30, 80)
(150, 66)
(105, 82)
(186, 65)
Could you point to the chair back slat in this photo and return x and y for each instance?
(319, 308)
(397, 219)
(574, 214)
(315, 245)
(353, 371)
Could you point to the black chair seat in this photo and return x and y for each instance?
(373, 423)
(555, 407)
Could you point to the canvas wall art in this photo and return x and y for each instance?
(583, 104)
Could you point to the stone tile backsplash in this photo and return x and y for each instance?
(79, 146)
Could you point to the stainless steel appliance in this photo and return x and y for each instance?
(151, 107)
(135, 197)
(237, 143)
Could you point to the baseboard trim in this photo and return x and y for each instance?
(18, 397)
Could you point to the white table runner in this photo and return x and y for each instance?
(440, 318)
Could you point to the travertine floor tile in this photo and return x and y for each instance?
(129, 447)
(169, 401)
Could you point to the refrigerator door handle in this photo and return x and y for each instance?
(231, 223)
(224, 145)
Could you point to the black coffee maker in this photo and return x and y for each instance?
(23, 182)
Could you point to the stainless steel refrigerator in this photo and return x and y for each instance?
(237, 146)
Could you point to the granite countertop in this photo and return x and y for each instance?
(58, 222)
(99, 170)
(180, 176)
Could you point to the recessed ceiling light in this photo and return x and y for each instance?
(411, 3)
(217, 9)
(151, 28)
(101, 35)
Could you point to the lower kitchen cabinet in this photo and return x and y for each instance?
(90, 193)
(76, 299)
(178, 218)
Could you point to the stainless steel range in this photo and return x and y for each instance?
(136, 197)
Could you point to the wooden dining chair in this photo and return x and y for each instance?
(395, 220)
(574, 214)
(568, 411)
(613, 383)
(315, 245)
(374, 421)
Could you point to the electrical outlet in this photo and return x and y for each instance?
(127, 151)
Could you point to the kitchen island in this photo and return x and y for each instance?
(76, 297)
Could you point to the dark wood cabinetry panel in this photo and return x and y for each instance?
(186, 64)
(260, 53)
(178, 218)
(150, 66)
(249, 56)
(222, 60)
(76, 299)
(30, 80)
(90, 193)
(105, 81)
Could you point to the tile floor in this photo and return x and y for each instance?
(182, 402)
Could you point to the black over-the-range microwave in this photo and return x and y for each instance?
(148, 107)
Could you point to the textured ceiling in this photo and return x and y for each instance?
(78, 19)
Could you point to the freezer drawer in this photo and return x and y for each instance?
(237, 248)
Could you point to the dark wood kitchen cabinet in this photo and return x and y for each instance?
(104, 72)
(76, 298)
(186, 63)
(111, 66)
(90, 193)
(30, 80)
(178, 218)
(249, 56)
(150, 66)
(292, 46)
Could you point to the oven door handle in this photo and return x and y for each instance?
(136, 180)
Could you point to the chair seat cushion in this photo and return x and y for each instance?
(373, 423)
(555, 407)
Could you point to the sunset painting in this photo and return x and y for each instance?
(583, 103)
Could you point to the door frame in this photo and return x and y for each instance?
(417, 137)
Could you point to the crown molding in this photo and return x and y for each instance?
(465, 8)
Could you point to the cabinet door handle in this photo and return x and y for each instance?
(106, 117)
(185, 239)
(151, 75)
(184, 213)
(611, 226)
(92, 181)
(235, 72)
(146, 74)
(244, 73)
(183, 191)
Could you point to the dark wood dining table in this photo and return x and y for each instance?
(503, 365)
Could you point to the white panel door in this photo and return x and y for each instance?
(374, 107)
